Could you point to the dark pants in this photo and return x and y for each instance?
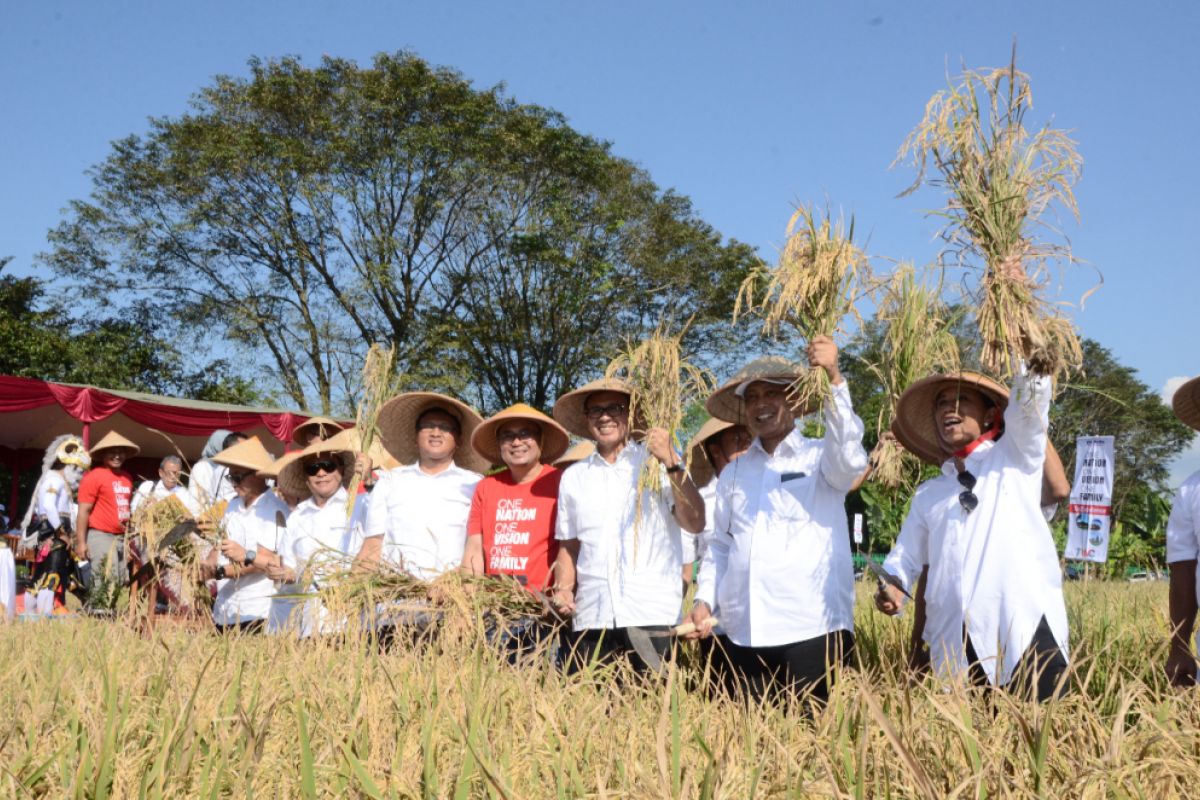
(521, 640)
(805, 666)
(1038, 672)
(605, 645)
(250, 626)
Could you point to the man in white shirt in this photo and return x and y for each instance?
(1183, 552)
(251, 524)
(618, 567)
(779, 564)
(994, 610)
(167, 485)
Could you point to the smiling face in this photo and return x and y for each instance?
(607, 418)
(114, 457)
(768, 415)
(520, 443)
(323, 473)
(961, 415)
(437, 436)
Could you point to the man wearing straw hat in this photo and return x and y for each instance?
(510, 529)
(617, 570)
(779, 563)
(994, 610)
(251, 524)
(1183, 552)
(418, 515)
(322, 535)
(314, 429)
(104, 504)
(717, 443)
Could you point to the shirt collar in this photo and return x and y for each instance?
(629, 452)
(986, 436)
(975, 450)
(789, 446)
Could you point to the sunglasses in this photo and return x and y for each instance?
(599, 412)
(967, 498)
(327, 465)
(237, 477)
(508, 437)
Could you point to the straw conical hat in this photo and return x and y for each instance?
(398, 427)
(568, 409)
(246, 454)
(577, 452)
(326, 427)
(914, 425)
(701, 467)
(1187, 403)
(554, 436)
(112, 439)
(343, 447)
(725, 403)
(275, 467)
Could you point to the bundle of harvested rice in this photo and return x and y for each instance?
(377, 378)
(820, 277)
(161, 540)
(917, 341)
(1002, 180)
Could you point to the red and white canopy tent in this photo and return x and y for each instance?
(34, 412)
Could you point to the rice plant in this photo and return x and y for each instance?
(378, 375)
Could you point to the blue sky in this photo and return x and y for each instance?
(744, 107)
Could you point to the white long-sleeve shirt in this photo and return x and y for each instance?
(319, 541)
(422, 518)
(54, 499)
(249, 597)
(1183, 529)
(993, 572)
(155, 490)
(621, 582)
(779, 565)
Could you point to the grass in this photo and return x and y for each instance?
(95, 710)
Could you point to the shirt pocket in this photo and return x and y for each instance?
(787, 503)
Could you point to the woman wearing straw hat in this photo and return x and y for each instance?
(104, 497)
(1183, 552)
(779, 564)
(617, 570)
(320, 535)
(994, 610)
(510, 529)
(418, 515)
(717, 443)
(251, 528)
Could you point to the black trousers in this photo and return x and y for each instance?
(1038, 672)
(252, 626)
(605, 645)
(805, 666)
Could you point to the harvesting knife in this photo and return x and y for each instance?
(883, 576)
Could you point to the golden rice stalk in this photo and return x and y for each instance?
(377, 376)
(917, 341)
(1002, 179)
(820, 277)
(152, 521)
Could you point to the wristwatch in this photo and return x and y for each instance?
(220, 573)
(676, 468)
(248, 560)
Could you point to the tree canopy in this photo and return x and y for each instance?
(304, 213)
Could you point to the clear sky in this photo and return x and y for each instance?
(744, 107)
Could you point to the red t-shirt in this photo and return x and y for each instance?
(109, 492)
(516, 522)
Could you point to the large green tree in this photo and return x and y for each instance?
(304, 213)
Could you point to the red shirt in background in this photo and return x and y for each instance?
(109, 492)
(516, 522)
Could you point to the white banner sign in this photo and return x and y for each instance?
(858, 528)
(1090, 519)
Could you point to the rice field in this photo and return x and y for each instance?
(98, 710)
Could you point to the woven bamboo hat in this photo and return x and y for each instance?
(1187, 403)
(246, 454)
(726, 402)
(398, 427)
(914, 424)
(325, 426)
(276, 466)
(110, 440)
(568, 409)
(342, 447)
(554, 436)
(577, 452)
(702, 469)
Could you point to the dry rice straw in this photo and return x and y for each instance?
(820, 277)
(1002, 180)
(377, 374)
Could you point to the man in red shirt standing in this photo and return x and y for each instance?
(104, 497)
(510, 528)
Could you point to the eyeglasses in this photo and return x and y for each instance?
(323, 465)
(508, 437)
(237, 477)
(966, 497)
(437, 425)
(599, 412)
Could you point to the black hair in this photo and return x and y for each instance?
(232, 439)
